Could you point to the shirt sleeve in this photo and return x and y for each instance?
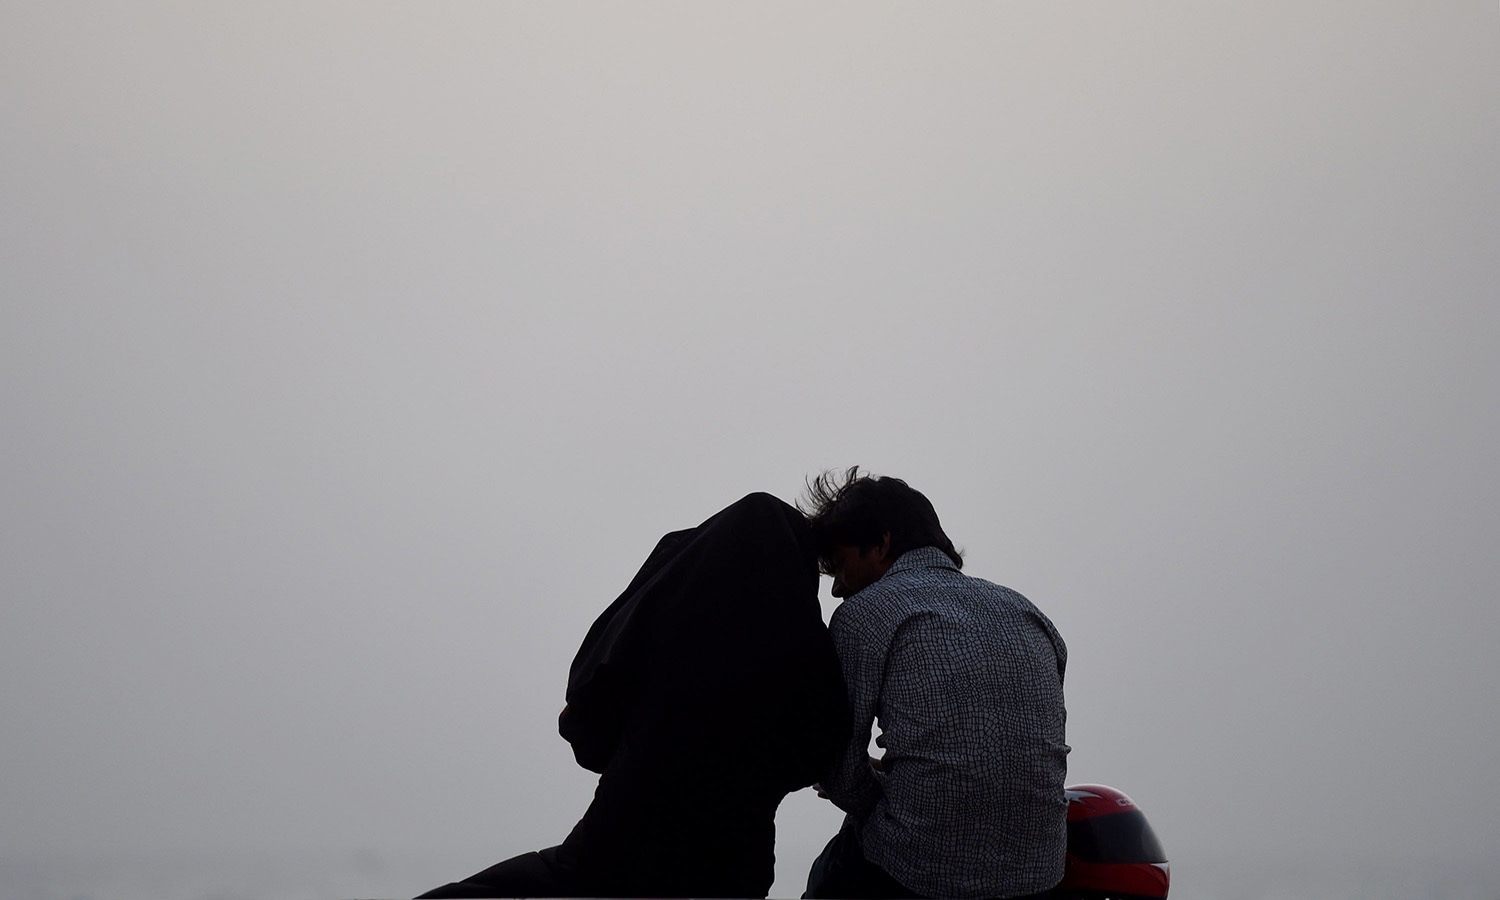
(852, 784)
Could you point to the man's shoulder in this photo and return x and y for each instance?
(948, 592)
(907, 590)
(882, 607)
(929, 573)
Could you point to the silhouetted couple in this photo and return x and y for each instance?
(710, 689)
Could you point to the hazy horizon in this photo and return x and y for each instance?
(352, 356)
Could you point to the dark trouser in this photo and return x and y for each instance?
(841, 872)
(536, 874)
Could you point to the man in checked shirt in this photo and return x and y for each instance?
(966, 680)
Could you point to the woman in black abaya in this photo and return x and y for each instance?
(703, 695)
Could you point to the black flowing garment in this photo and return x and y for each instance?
(703, 695)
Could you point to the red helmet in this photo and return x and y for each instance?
(1112, 851)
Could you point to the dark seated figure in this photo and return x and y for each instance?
(703, 695)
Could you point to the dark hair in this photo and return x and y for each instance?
(859, 510)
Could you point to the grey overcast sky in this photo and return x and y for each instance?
(353, 355)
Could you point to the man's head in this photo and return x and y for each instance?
(862, 524)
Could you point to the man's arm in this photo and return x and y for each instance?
(852, 784)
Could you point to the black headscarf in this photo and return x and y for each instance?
(707, 691)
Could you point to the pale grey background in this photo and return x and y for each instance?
(352, 356)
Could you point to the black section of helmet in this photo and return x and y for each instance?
(1122, 837)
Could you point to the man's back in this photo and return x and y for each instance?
(965, 677)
